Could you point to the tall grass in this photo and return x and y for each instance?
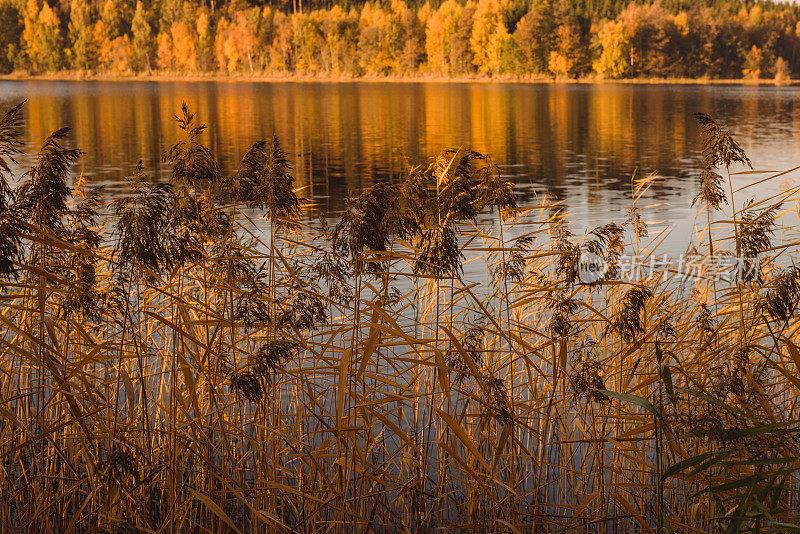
(203, 356)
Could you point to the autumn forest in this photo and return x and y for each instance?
(527, 39)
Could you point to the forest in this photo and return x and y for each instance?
(514, 39)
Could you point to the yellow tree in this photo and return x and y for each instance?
(308, 41)
(489, 36)
(165, 57)
(246, 34)
(42, 36)
(340, 28)
(236, 41)
(447, 34)
(114, 49)
(783, 72)
(614, 44)
(226, 56)
(117, 55)
(142, 38)
(409, 37)
(440, 23)
(30, 18)
(374, 40)
(265, 35)
(84, 49)
(10, 38)
(565, 58)
(111, 16)
(753, 60)
(281, 52)
(184, 43)
(205, 39)
(49, 33)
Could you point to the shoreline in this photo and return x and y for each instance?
(422, 78)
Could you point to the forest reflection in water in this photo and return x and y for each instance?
(581, 143)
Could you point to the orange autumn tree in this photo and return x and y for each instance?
(489, 36)
(307, 41)
(84, 50)
(281, 52)
(376, 50)
(164, 52)
(142, 39)
(184, 42)
(410, 36)
(43, 44)
(115, 49)
(236, 41)
(613, 41)
(565, 58)
(206, 57)
(447, 34)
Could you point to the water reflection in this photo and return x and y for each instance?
(580, 142)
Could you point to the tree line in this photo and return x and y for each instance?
(523, 38)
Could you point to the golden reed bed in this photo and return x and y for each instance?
(206, 356)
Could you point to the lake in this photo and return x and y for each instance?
(581, 143)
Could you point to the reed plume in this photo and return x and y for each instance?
(10, 138)
(755, 237)
(781, 299)
(472, 343)
(264, 180)
(719, 147)
(193, 164)
(81, 264)
(144, 224)
(273, 355)
(628, 321)
(569, 254)
(43, 196)
(247, 384)
(711, 189)
(439, 253)
(513, 268)
(11, 227)
(370, 221)
(586, 378)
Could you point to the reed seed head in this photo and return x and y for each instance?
(264, 180)
(439, 253)
(497, 402)
(193, 164)
(628, 321)
(781, 300)
(144, 224)
(43, 196)
(719, 147)
(586, 381)
(273, 355)
(247, 384)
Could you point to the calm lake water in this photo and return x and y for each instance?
(581, 143)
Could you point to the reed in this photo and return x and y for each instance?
(201, 356)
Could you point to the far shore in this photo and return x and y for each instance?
(420, 78)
